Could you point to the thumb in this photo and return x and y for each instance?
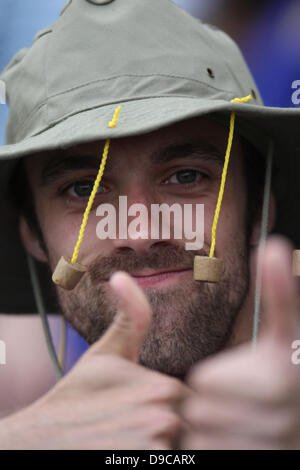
(279, 295)
(125, 335)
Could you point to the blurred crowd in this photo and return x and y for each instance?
(268, 33)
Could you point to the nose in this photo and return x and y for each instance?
(135, 227)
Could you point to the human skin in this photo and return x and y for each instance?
(237, 400)
(28, 373)
(109, 400)
(183, 309)
(248, 398)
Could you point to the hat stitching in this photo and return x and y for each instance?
(65, 117)
(139, 76)
(45, 102)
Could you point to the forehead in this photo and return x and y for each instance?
(175, 141)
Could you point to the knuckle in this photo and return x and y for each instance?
(168, 423)
(151, 415)
(169, 389)
(187, 410)
(161, 422)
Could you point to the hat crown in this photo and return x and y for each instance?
(97, 54)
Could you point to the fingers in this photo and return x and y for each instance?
(130, 325)
(279, 297)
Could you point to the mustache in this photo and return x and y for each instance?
(162, 257)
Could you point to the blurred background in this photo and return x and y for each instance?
(267, 32)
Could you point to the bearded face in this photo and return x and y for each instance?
(191, 320)
(181, 164)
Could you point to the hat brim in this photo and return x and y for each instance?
(143, 116)
(257, 123)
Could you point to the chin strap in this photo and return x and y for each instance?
(36, 287)
(63, 339)
(262, 243)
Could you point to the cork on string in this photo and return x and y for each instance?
(68, 274)
(209, 269)
(68, 271)
(296, 263)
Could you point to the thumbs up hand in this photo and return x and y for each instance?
(250, 398)
(108, 400)
(125, 336)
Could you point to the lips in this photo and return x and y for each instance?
(148, 276)
(159, 278)
(151, 272)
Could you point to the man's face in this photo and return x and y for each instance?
(180, 164)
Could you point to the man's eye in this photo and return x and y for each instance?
(82, 189)
(185, 177)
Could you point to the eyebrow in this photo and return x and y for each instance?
(58, 166)
(198, 150)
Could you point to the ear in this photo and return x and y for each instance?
(255, 236)
(31, 241)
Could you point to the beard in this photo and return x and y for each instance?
(191, 320)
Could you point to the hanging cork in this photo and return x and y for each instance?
(207, 269)
(296, 263)
(67, 274)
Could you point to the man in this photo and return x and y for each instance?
(144, 382)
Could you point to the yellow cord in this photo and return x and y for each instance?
(113, 123)
(95, 189)
(224, 175)
(102, 167)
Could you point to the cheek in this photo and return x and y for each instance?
(60, 235)
(195, 223)
(61, 229)
(231, 226)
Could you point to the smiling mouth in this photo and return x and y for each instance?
(160, 279)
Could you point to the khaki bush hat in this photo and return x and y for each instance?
(162, 66)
